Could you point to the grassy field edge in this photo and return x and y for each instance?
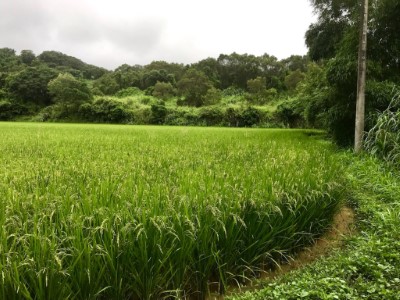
(369, 265)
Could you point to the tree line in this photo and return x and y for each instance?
(316, 90)
(23, 72)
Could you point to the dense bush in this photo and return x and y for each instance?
(212, 115)
(105, 110)
(10, 110)
(67, 90)
(158, 113)
(30, 85)
(250, 117)
(383, 140)
(290, 114)
(163, 90)
(141, 116)
(130, 91)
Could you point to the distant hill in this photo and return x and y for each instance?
(70, 64)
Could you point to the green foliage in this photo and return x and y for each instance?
(233, 91)
(174, 71)
(27, 57)
(163, 90)
(213, 96)
(257, 85)
(335, 37)
(384, 38)
(105, 110)
(212, 115)
(69, 91)
(3, 94)
(131, 91)
(127, 76)
(296, 62)
(10, 110)
(122, 212)
(194, 86)
(150, 78)
(383, 139)
(30, 85)
(293, 79)
(258, 91)
(250, 117)
(369, 266)
(334, 18)
(210, 67)
(65, 63)
(158, 113)
(107, 84)
(235, 69)
(290, 114)
(8, 60)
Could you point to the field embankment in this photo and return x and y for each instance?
(369, 266)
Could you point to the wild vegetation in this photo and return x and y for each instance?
(368, 265)
(123, 212)
(132, 212)
(238, 90)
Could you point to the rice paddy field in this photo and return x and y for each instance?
(130, 212)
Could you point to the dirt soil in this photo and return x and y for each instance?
(333, 239)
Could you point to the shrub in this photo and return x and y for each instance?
(232, 117)
(163, 90)
(250, 117)
(290, 114)
(105, 110)
(211, 116)
(142, 115)
(130, 91)
(233, 91)
(69, 91)
(383, 140)
(158, 113)
(10, 110)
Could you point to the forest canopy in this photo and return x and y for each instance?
(317, 90)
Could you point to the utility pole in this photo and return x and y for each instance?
(362, 68)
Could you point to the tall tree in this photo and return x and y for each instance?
(194, 86)
(362, 66)
(30, 85)
(338, 108)
(69, 91)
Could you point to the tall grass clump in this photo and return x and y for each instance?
(383, 140)
(122, 212)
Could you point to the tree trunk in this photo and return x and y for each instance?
(362, 57)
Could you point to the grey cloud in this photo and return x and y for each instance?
(140, 37)
(23, 24)
(40, 26)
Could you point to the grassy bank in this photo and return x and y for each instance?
(369, 266)
(123, 212)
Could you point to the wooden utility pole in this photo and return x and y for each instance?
(362, 68)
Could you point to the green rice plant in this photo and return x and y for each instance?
(131, 212)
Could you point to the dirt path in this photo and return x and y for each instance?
(342, 226)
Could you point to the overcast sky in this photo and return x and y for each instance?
(109, 33)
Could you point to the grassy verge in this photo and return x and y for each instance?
(369, 266)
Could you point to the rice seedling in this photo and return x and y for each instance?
(123, 212)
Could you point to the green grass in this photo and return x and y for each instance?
(124, 212)
(368, 267)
